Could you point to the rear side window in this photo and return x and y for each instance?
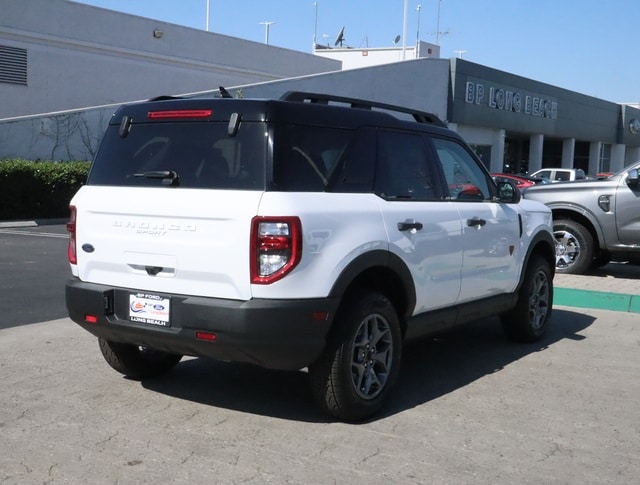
(306, 157)
(466, 179)
(544, 174)
(404, 169)
(191, 155)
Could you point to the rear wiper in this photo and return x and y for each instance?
(169, 177)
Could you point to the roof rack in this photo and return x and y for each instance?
(164, 97)
(321, 98)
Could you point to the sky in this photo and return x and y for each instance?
(588, 46)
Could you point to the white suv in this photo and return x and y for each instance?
(296, 233)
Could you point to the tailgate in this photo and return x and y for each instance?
(179, 241)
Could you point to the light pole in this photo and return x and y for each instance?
(438, 24)
(267, 25)
(404, 30)
(418, 9)
(315, 28)
(208, 10)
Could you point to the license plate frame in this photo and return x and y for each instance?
(150, 308)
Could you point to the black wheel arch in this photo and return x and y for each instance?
(543, 244)
(583, 220)
(381, 271)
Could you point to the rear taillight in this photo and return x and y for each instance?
(276, 247)
(71, 229)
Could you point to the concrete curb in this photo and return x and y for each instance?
(618, 302)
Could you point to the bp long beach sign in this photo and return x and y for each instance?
(510, 100)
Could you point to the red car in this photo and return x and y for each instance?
(520, 181)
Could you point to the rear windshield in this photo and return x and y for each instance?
(191, 155)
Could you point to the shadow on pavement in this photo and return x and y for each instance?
(430, 369)
(617, 270)
(436, 367)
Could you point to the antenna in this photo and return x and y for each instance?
(460, 53)
(439, 33)
(340, 37)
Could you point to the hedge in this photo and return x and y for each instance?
(38, 190)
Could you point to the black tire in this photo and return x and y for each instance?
(529, 319)
(601, 259)
(357, 370)
(635, 260)
(137, 362)
(575, 247)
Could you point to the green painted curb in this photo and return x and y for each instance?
(596, 299)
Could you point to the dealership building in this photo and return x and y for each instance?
(63, 72)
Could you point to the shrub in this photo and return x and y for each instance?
(38, 190)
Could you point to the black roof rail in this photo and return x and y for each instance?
(321, 98)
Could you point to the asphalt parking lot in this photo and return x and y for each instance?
(33, 269)
(470, 407)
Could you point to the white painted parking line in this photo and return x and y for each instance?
(31, 233)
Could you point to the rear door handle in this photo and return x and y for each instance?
(476, 222)
(408, 225)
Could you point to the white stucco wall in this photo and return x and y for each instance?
(366, 57)
(79, 56)
(421, 84)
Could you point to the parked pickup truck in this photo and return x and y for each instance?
(593, 220)
(560, 174)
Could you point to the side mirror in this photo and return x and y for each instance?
(508, 193)
(632, 178)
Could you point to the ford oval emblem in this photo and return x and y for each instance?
(88, 248)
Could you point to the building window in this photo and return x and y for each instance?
(604, 163)
(13, 65)
(484, 154)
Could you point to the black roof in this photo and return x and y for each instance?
(292, 107)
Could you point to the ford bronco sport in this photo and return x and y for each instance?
(310, 231)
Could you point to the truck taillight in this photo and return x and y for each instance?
(276, 247)
(71, 229)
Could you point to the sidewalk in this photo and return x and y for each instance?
(615, 286)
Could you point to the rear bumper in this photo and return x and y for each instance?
(277, 334)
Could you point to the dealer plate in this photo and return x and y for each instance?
(148, 308)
